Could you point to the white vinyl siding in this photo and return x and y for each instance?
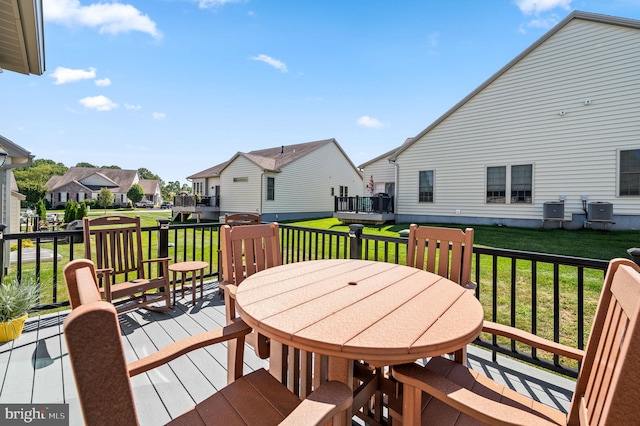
(297, 192)
(244, 194)
(629, 173)
(516, 120)
(383, 173)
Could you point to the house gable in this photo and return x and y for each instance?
(565, 107)
(97, 181)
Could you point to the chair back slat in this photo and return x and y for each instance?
(118, 244)
(443, 251)
(249, 249)
(606, 390)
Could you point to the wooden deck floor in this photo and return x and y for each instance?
(35, 368)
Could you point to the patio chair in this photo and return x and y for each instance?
(245, 251)
(240, 219)
(114, 243)
(102, 374)
(443, 251)
(606, 390)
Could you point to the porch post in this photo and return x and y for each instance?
(163, 240)
(355, 241)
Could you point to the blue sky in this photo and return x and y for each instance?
(177, 86)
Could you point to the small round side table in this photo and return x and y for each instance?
(184, 268)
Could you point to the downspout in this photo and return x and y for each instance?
(262, 191)
(396, 177)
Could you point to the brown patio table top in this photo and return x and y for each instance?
(382, 313)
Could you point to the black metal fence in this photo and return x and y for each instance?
(374, 204)
(549, 295)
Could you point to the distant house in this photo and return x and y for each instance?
(382, 172)
(81, 183)
(284, 182)
(11, 156)
(552, 137)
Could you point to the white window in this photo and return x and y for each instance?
(517, 181)
(629, 179)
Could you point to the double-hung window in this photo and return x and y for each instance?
(271, 188)
(514, 180)
(425, 186)
(496, 184)
(521, 182)
(629, 173)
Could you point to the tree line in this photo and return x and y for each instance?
(31, 180)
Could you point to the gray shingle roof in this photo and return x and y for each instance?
(123, 179)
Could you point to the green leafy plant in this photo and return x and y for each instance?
(16, 298)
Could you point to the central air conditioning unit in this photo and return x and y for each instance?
(600, 211)
(553, 210)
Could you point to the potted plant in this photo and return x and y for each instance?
(15, 301)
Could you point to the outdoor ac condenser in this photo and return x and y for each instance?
(553, 210)
(600, 211)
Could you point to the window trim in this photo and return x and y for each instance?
(619, 173)
(508, 183)
(433, 186)
(271, 191)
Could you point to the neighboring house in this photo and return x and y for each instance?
(11, 156)
(207, 182)
(558, 124)
(15, 213)
(151, 188)
(81, 183)
(382, 172)
(282, 183)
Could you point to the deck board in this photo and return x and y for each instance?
(170, 390)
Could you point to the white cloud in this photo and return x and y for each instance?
(109, 18)
(204, 4)
(134, 107)
(99, 103)
(539, 23)
(366, 121)
(103, 82)
(159, 115)
(529, 7)
(433, 39)
(64, 75)
(271, 61)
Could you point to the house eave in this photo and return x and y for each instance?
(22, 36)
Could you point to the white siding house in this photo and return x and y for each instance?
(382, 172)
(560, 123)
(283, 183)
(12, 156)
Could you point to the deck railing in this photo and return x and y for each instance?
(358, 204)
(550, 295)
(194, 201)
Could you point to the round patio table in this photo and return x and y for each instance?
(382, 313)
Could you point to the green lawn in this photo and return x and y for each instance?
(586, 243)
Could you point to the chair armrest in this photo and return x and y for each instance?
(236, 329)
(462, 399)
(229, 289)
(157, 259)
(104, 272)
(471, 285)
(321, 405)
(532, 340)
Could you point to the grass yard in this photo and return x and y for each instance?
(586, 243)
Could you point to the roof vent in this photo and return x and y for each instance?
(282, 150)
